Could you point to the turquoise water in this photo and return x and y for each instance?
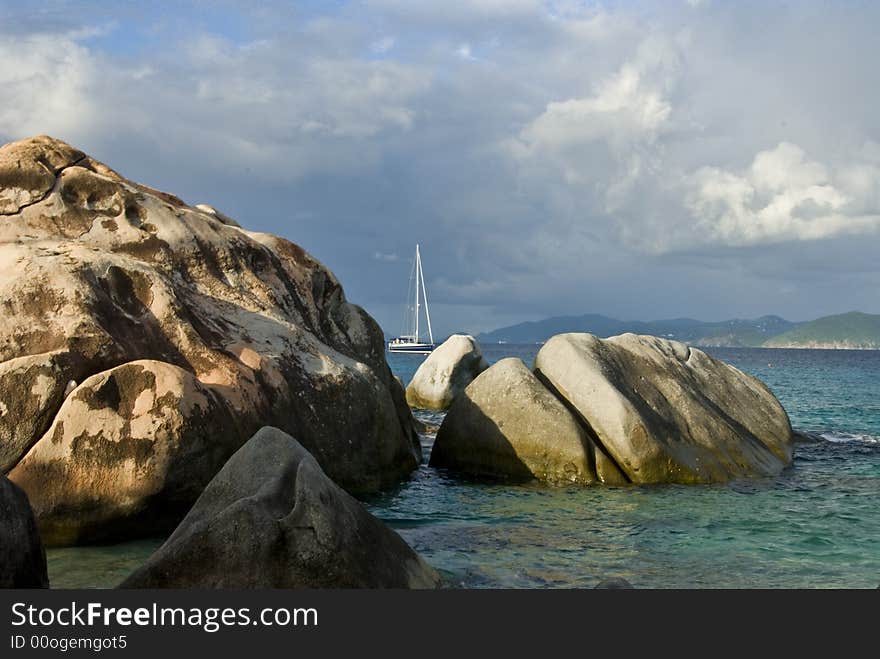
(815, 525)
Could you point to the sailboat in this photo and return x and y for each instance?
(411, 340)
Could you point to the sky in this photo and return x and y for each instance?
(641, 160)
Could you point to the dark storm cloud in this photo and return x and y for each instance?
(635, 159)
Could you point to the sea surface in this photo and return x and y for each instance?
(817, 525)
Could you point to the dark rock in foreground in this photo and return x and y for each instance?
(22, 557)
(272, 519)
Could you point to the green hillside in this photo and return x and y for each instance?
(732, 333)
(853, 330)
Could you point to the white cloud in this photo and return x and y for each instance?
(284, 111)
(47, 82)
(783, 196)
(594, 141)
(626, 113)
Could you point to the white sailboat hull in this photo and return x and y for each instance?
(412, 348)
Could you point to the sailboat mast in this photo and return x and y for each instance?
(418, 269)
(425, 297)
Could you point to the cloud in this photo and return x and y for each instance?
(784, 196)
(636, 159)
(626, 108)
(383, 45)
(464, 52)
(260, 104)
(47, 82)
(595, 150)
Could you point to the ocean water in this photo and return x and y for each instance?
(817, 525)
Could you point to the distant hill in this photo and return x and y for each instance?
(853, 331)
(725, 333)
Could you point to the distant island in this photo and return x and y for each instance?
(853, 331)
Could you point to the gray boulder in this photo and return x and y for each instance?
(664, 412)
(445, 373)
(271, 518)
(22, 557)
(506, 424)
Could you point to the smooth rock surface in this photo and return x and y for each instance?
(506, 424)
(664, 412)
(445, 373)
(272, 519)
(97, 272)
(22, 557)
(614, 583)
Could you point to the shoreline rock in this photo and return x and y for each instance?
(101, 272)
(628, 409)
(22, 557)
(664, 412)
(271, 518)
(445, 373)
(506, 424)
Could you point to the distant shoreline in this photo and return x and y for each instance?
(849, 331)
(703, 346)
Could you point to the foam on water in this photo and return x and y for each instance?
(841, 437)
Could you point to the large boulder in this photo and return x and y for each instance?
(130, 449)
(22, 557)
(98, 272)
(664, 412)
(506, 424)
(445, 373)
(272, 519)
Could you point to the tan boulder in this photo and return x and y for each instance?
(445, 373)
(32, 389)
(664, 412)
(506, 424)
(129, 450)
(97, 271)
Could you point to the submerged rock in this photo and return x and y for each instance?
(445, 373)
(272, 519)
(506, 424)
(22, 557)
(98, 272)
(614, 583)
(806, 437)
(664, 412)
